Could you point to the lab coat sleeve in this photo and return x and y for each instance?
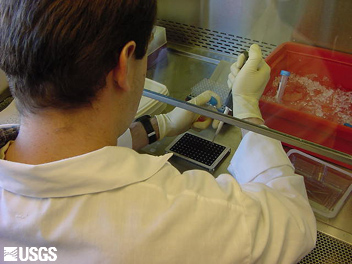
(257, 158)
(279, 218)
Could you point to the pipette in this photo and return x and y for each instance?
(229, 102)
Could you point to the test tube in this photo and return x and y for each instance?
(282, 85)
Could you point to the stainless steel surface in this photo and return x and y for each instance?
(260, 20)
(325, 23)
(180, 70)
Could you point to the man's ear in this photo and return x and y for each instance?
(124, 66)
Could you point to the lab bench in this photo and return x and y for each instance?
(180, 68)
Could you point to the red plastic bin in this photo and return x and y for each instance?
(306, 60)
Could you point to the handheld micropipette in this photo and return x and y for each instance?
(229, 102)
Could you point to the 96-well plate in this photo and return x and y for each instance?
(198, 150)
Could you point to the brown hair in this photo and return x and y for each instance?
(56, 53)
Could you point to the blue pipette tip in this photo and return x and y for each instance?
(285, 73)
(213, 101)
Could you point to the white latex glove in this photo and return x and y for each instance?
(180, 120)
(248, 83)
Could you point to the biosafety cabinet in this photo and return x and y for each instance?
(194, 46)
(307, 104)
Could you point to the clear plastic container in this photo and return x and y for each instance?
(327, 186)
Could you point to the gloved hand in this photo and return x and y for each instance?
(248, 83)
(179, 120)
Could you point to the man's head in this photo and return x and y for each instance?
(57, 53)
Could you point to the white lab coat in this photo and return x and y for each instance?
(114, 205)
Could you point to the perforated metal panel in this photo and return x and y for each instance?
(329, 250)
(211, 40)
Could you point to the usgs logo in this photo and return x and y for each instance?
(30, 254)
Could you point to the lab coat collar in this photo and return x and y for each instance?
(98, 171)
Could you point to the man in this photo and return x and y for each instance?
(77, 70)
